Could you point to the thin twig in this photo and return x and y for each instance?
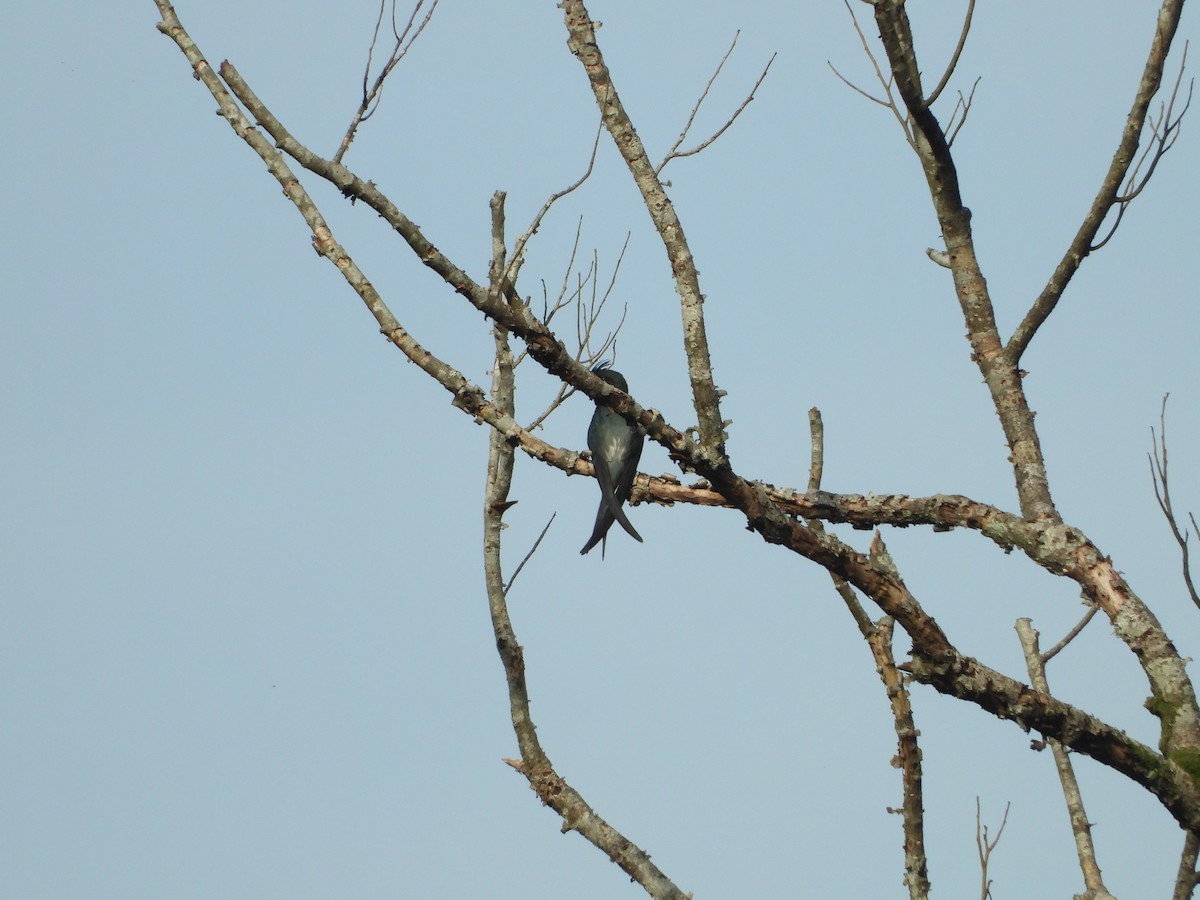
(529, 555)
(587, 317)
(518, 254)
(886, 83)
(373, 93)
(958, 116)
(733, 118)
(563, 300)
(950, 67)
(695, 109)
(1164, 131)
(672, 153)
(985, 848)
(854, 87)
(1070, 635)
(1162, 493)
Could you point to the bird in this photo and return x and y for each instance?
(616, 446)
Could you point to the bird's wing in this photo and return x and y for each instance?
(613, 493)
(624, 484)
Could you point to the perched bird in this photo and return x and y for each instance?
(616, 447)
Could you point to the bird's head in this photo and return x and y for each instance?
(611, 375)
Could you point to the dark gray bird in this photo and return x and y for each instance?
(616, 447)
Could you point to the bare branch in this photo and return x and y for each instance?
(1186, 878)
(518, 255)
(695, 109)
(1084, 241)
(886, 83)
(535, 765)
(958, 115)
(816, 430)
(1070, 635)
(854, 87)
(565, 296)
(587, 316)
(816, 435)
(935, 660)
(705, 398)
(908, 752)
(1081, 828)
(950, 66)
(672, 153)
(1162, 493)
(373, 93)
(954, 218)
(1164, 131)
(528, 556)
(879, 639)
(497, 271)
(985, 848)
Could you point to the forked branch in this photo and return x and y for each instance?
(518, 254)
(954, 219)
(1162, 493)
(1164, 130)
(958, 115)
(675, 152)
(1069, 636)
(985, 846)
(372, 92)
(888, 101)
(1109, 195)
(935, 659)
(1081, 828)
(953, 64)
(588, 313)
(878, 636)
(551, 788)
(581, 39)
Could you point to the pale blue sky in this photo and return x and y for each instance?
(246, 650)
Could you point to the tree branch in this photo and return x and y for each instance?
(953, 64)
(551, 788)
(1162, 493)
(1070, 635)
(1083, 242)
(672, 153)
(1062, 550)
(1187, 876)
(879, 639)
(1081, 828)
(885, 83)
(372, 93)
(705, 398)
(1006, 698)
(518, 255)
(984, 846)
(999, 371)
